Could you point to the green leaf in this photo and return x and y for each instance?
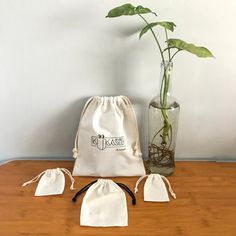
(167, 25)
(143, 10)
(128, 10)
(189, 47)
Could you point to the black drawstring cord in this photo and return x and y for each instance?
(83, 190)
(126, 188)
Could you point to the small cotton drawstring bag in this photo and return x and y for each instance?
(52, 182)
(155, 188)
(104, 204)
(107, 140)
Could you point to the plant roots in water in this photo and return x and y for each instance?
(161, 160)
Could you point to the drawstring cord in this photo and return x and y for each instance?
(71, 178)
(136, 147)
(137, 152)
(35, 179)
(163, 177)
(75, 150)
(126, 188)
(170, 189)
(138, 182)
(83, 190)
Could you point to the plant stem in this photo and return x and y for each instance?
(163, 100)
(167, 43)
(167, 83)
(163, 96)
(175, 54)
(155, 37)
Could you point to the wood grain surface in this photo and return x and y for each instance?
(205, 204)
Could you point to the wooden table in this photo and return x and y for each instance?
(205, 204)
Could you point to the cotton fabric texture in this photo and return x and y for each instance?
(155, 188)
(107, 141)
(104, 205)
(52, 182)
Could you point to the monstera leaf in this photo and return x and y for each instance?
(189, 47)
(167, 25)
(128, 10)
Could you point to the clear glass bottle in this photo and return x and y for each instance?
(162, 126)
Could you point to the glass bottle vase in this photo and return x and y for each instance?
(162, 126)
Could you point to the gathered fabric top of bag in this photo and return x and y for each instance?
(107, 141)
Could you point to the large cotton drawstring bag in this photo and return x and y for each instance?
(104, 204)
(155, 189)
(52, 182)
(107, 141)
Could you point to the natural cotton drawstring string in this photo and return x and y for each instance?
(71, 178)
(170, 189)
(35, 179)
(76, 148)
(137, 153)
(163, 177)
(138, 182)
(136, 147)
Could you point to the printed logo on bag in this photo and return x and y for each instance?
(102, 142)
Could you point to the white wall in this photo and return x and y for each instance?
(54, 54)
